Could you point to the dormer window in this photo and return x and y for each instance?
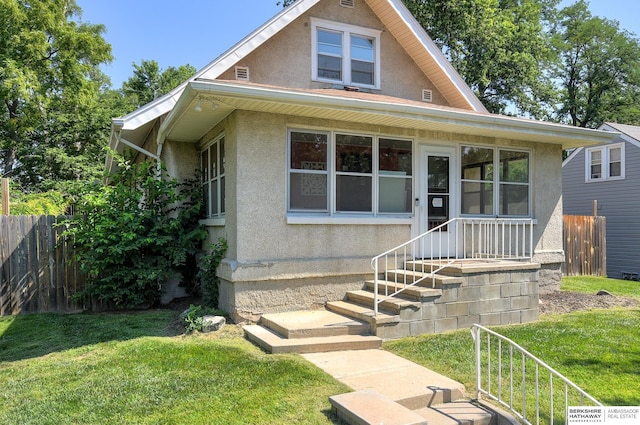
(345, 54)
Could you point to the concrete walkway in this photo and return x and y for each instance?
(403, 381)
(390, 390)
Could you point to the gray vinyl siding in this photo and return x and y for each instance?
(618, 201)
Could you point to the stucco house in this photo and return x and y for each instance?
(609, 174)
(337, 131)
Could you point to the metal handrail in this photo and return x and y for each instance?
(510, 403)
(480, 238)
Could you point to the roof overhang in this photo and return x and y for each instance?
(219, 98)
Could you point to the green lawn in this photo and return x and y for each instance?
(592, 284)
(134, 368)
(130, 369)
(598, 350)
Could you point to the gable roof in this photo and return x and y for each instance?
(629, 133)
(393, 14)
(466, 115)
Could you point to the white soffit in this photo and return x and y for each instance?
(180, 124)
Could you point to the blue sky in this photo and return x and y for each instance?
(195, 32)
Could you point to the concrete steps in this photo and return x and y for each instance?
(310, 332)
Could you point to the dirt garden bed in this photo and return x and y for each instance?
(559, 302)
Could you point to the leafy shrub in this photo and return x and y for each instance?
(208, 265)
(132, 236)
(193, 317)
(45, 203)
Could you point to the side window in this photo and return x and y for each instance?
(212, 163)
(495, 182)
(354, 173)
(308, 172)
(605, 163)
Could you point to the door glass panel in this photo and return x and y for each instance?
(438, 191)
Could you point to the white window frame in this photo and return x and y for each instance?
(331, 172)
(605, 154)
(497, 182)
(346, 31)
(217, 180)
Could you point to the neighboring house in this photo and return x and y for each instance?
(610, 175)
(336, 131)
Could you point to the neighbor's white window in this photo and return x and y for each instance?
(345, 54)
(339, 173)
(605, 163)
(212, 163)
(495, 182)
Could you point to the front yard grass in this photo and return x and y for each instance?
(599, 350)
(134, 368)
(128, 369)
(592, 284)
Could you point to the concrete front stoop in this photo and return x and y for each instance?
(310, 331)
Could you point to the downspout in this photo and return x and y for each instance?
(160, 141)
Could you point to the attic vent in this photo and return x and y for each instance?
(242, 73)
(347, 3)
(427, 95)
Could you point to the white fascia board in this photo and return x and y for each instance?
(219, 65)
(248, 44)
(437, 55)
(462, 117)
(621, 134)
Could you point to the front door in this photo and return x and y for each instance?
(436, 201)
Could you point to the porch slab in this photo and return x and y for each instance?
(275, 343)
(313, 323)
(478, 265)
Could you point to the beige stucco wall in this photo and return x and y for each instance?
(285, 59)
(266, 247)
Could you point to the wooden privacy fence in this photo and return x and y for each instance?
(585, 245)
(37, 270)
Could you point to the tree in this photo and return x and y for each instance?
(149, 82)
(598, 69)
(499, 47)
(49, 72)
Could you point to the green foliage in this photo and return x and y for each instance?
(49, 73)
(135, 234)
(499, 47)
(598, 67)
(193, 317)
(207, 267)
(149, 82)
(45, 203)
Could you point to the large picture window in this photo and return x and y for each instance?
(605, 163)
(495, 182)
(345, 54)
(340, 173)
(212, 162)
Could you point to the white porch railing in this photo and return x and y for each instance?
(516, 379)
(466, 238)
